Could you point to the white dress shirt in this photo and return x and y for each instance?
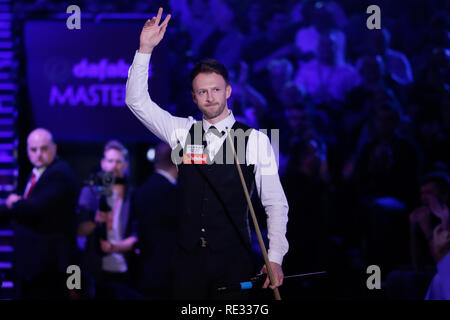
(259, 152)
(115, 261)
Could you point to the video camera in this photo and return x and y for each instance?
(102, 183)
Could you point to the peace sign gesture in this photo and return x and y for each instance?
(152, 33)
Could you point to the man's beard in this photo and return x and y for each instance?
(209, 114)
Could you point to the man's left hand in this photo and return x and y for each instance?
(106, 246)
(12, 198)
(277, 274)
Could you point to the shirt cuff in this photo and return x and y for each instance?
(275, 257)
(142, 58)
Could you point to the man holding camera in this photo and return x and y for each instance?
(105, 220)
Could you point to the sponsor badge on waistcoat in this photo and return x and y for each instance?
(194, 154)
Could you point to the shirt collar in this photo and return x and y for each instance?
(38, 171)
(228, 122)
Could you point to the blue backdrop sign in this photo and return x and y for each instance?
(77, 79)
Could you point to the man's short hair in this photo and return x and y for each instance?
(210, 66)
(116, 145)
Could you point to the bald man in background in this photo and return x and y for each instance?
(43, 217)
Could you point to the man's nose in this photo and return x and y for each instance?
(209, 96)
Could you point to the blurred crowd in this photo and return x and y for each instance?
(364, 120)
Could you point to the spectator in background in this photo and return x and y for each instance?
(321, 18)
(356, 108)
(298, 126)
(435, 192)
(110, 229)
(281, 73)
(195, 19)
(324, 79)
(44, 218)
(276, 42)
(226, 42)
(156, 209)
(432, 84)
(386, 172)
(396, 63)
(439, 288)
(248, 105)
(431, 139)
(291, 94)
(429, 242)
(253, 24)
(308, 193)
(280, 93)
(371, 72)
(423, 36)
(388, 165)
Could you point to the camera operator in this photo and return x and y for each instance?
(105, 220)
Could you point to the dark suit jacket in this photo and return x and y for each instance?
(44, 224)
(156, 207)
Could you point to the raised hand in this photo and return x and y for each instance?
(152, 32)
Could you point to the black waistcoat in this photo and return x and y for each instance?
(214, 204)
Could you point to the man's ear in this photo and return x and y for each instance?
(194, 98)
(228, 90)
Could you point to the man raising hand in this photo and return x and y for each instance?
(152, 33)
(214, 241)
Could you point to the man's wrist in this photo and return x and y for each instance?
(146, 50)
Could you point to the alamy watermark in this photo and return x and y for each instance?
(74, 280)
(74, 20)
(260, 149)
(374, 280)
(374, 20)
